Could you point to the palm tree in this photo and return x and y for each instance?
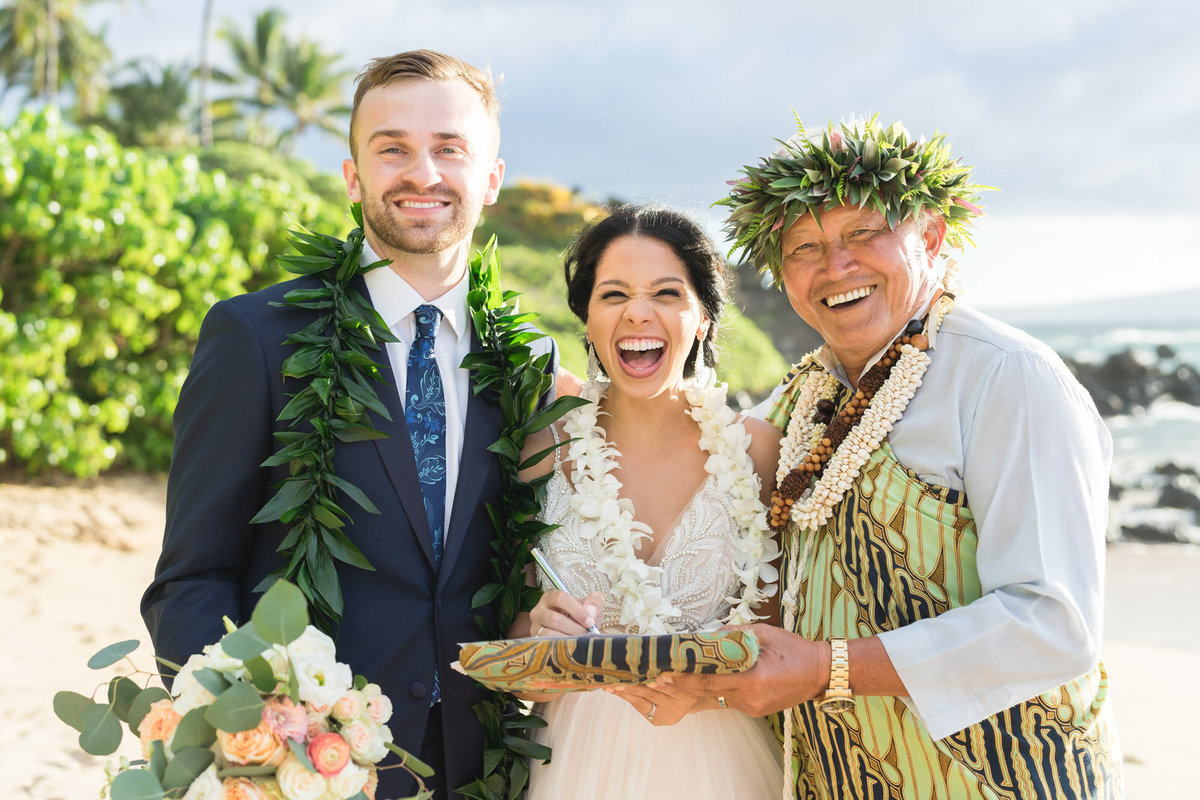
(45, 47)
(293, 77)
(152, 106)
(311, 91)
(206, 117)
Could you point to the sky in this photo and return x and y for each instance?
(1083, 113)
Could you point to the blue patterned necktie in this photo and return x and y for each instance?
(425, 416)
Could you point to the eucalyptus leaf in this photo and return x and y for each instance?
(243, 643)
(194, 730)
(112, 654)
(301, 754)
(121, 694)
(101, 734)
(262, 675)
(281, 614)
(186, 766)
(239, 708)
(136, 784)
(69, 706)
(210, 679)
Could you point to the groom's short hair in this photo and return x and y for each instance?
(427, 65)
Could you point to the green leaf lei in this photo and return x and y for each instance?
(333, 355)
(506, 371)
(862, 164)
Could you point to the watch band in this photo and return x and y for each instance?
(837, 697)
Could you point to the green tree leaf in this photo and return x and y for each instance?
(243, 643)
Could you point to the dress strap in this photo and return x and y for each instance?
(557, 449)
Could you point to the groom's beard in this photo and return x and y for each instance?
(418, 236)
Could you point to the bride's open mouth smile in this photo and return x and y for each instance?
(641, 355)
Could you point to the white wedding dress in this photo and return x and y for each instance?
(602, 747)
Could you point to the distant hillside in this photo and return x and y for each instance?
(1163, 309)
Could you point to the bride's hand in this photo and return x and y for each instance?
(560, 614)
(658, 703)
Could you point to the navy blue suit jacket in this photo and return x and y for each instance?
(399, 618)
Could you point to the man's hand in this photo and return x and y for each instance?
(790, 670)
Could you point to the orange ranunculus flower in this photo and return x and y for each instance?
(329, 753)
(243, 789)
(158, 725)
(257, 746)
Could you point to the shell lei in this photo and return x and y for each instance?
(815, 506)
(609, 517)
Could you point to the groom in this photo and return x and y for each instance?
(424, 138)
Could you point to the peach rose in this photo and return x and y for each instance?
(258, 746)
(329, 753)
(367, 741)
(317, 724)
(243, 789)
(372, 783)
(158, 725)
(296, 782)
(379, 707)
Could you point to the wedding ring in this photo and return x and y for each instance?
(721, 702)
(539, 633)
(650, 713)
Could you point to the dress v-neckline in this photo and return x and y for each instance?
(658, 554)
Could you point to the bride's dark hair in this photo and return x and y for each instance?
(704, 265)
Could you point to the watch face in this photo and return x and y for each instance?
(836, 705)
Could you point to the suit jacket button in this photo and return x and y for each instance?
(418, 690)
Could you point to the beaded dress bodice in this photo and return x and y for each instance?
(693, 564)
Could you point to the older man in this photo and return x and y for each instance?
(942, 494)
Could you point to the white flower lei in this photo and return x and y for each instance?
(604, 514)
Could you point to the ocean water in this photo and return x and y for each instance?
(1168, 431)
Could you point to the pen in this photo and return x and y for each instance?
(553, 576)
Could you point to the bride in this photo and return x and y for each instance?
(659, 504)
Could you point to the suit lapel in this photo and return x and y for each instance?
(398, 460)
(475, 467)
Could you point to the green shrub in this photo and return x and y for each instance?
(110, 258)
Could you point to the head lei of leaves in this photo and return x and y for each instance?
(860, 164)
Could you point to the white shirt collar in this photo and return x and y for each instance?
(395, 299)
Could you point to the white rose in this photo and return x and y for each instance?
(187, 690)
(350, 706)
(367, 741)
(297, 783)
(349, 782)
(321, 679)
(207, 786)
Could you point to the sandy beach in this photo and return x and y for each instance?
(78, 556)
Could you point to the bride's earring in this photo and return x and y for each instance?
(593, 374)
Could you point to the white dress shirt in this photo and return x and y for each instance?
(396, 300)
(999, 417)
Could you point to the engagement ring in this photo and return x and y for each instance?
(721, 702)
(650, 713)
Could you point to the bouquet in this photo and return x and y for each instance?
(266, 713)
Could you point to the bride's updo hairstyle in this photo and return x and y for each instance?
(704, 265)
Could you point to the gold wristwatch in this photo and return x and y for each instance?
(837, 697)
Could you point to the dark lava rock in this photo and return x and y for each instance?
(1171, 470)
(1151, 533)
(1175, 495)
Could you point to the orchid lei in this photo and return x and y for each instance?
(608, 517)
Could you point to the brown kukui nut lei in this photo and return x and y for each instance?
(796, 482)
